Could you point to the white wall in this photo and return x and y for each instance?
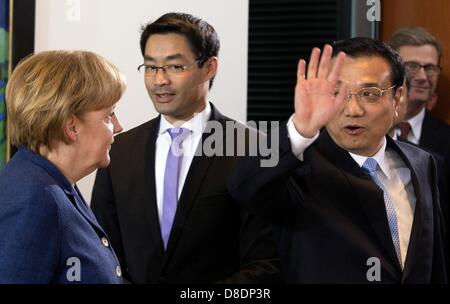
(112, 29)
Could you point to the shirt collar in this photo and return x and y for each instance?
(196, 124)
(394, 135)
(380, 157)
(416, 123)
(48, 166)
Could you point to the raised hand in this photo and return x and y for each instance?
(315, 100)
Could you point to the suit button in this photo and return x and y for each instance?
(118, 271)
(105, 242)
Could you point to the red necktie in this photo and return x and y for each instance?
(405, 128)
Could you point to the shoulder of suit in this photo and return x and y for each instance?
(413, 151)
(138, 131)
(240, 127)
(440, 124)
(27, 185)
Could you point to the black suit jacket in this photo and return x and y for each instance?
(330, 216)
(435, 137)
(212, 239)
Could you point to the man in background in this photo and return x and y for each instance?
(421, 55)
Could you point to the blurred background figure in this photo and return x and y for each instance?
(421, 54)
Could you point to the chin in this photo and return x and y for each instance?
(420, 96)
(166, 111)
(104, 163)
(353, 146)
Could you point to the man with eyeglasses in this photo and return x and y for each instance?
(421, 55)
(348, 204)
(166, 208)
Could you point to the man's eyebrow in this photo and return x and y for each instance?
(369, 84)
(169, 57)
(362, 85)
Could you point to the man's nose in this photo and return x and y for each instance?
(420, 75)
(161, 77)
(353, 106)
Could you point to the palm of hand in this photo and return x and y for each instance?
(315, 100)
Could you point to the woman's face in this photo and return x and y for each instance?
(95, 135)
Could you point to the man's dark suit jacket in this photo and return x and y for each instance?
(330, 216)
(212, 239)
(435, 137)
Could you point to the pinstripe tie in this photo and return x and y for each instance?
(370, 165)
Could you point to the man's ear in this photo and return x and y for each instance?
(432, 101)
(70, 128)
(211, 66)
(398, 96)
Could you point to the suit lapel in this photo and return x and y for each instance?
(147, 185)
(368, 194)
(427, 137)
(194, 179)
(80, 204)
(197, 172)
(421, 233)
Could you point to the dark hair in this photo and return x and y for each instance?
(367, 47)
(202, 37)
(414, 36)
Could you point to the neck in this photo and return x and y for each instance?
(413, 112)
(64, 158)
(392, 132)
(180, 120)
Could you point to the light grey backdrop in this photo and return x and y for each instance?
(111, 28)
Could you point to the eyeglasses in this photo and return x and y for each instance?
(368, 95)
(414, 67)
(168, 69)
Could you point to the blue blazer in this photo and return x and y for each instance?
(47, 232)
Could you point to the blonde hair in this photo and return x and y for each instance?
(47, 88)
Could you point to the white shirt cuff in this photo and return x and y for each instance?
(298, 142)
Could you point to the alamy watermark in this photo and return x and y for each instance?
(73, 13)
(259, 139)
(74, 272)
(374, 11)
(373, 274)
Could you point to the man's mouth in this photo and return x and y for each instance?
(353, 129)
(420, 86)
(164, 97)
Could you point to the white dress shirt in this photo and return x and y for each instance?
(395, 176)
(196, 125)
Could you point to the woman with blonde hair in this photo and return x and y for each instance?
(60, 107)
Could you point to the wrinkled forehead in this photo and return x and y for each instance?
(165, 47)
(366, 71)
(423, 54)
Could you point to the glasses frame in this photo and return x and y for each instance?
(164, 68)
(358, 97)
(434, 72)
